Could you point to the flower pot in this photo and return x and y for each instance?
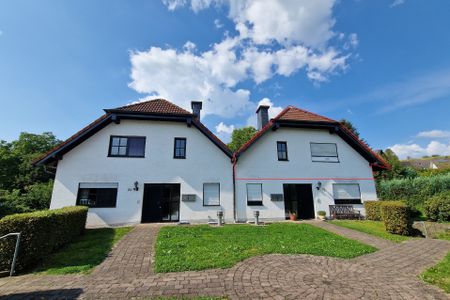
(322, 218)
(293, 217)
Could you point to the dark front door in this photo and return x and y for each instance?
(161, 203)
(298, 198)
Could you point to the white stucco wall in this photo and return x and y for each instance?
(89, 162)
(260, 164)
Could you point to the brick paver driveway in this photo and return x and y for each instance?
(390, 273)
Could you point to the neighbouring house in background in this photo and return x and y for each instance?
(154, 161)
(428, 163)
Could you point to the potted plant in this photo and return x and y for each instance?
(292, 215)
(321, 214)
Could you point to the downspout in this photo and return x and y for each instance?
(234, 160)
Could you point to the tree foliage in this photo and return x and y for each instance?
(349, 126)
(398, 171)
(24, 187)
(240, 136)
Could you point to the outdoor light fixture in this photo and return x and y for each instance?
(136, 186)
(319, 185)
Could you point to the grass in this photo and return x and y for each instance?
(204, 247)
(83, 254)
(371, 227)
(439, 274)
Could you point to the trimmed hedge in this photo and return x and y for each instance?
(42, 232)
(414, 190)
(437, 208)
(395, 215)
(373, 210)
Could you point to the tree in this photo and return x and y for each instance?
(397, 169)
(240, 136)
(349, 126)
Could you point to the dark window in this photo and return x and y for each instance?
(282, 151)
(254, 194)
(346, 193)
(324, 152)
(179, 148)
(97, 194)
(127, 146)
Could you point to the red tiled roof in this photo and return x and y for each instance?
(157, 106)
(292, 113)
(296, 114)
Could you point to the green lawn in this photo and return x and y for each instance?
(85, 253)
(180, 248)
(370, 227)
(439, 274)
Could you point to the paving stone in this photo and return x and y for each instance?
(127, 273)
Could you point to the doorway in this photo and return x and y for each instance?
(161, 203)
(298, 198)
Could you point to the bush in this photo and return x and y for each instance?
(395, 215)
(42, 232)
(373, 210)
(437, 208)
(415, 190)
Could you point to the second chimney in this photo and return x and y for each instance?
(196, 108)
(262, 114)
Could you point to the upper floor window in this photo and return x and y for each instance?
(127, 146)
(346, 193)
(211, 194)
(179, 149)
(324, 152)
(97, 194)
(254, 194)
(282, 151)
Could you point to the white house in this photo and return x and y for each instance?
(302, 162)
(154, 161)
(147, 162)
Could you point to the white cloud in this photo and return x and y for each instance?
(434, 134)
(218, 24)
(397, 2)
(414, 150)
(221, 127)
(189, 46)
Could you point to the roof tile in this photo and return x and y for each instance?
(157, 106)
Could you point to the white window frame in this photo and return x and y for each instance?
(255, 202)
(324, 158)
(218, 194)
(347, 200)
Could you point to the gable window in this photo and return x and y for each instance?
(127, 146)
(324, 152)
(97, 194)
(254, 194)
(179, 150)
(211, 194)
(282, 151)
(346, 193)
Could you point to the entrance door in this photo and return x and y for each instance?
(299, 198)
(161, 203)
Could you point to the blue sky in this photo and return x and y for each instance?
(384, 65)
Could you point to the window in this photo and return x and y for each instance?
(127, 146)
(346, 193)
(282, 151)
(254, 194)
(179, 150)
(324, 152)
(211, 194)
(97, 194)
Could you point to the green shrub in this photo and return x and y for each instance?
(373, 210)
(414, 190)
(42, 232)
(395, 215)
(437, 208)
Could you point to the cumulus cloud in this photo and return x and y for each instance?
(414, 150)
(274, 38)
(221, 127)
(434, 134)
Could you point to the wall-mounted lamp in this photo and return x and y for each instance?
(319, 185)
(136, 186)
